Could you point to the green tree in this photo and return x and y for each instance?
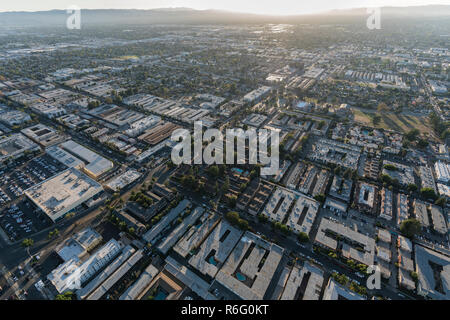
(441, 201)
(320, 197)
(303, 237)
(410, 227)
(428, 193)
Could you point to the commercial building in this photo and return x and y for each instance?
(74, 273)
(62, 193)
(124, 180)
(15, 146)
(97, 281)
(49, 111)
(250, 268)
(158, 133)
(43, 135)
(64, 157)
(79, 245)
(95, 164)
(12, 117)
(138, 127)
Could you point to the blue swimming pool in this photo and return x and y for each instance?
(212, 261)
(238, 170)
(240, 276)
(161, 295)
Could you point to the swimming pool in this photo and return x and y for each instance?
(212, 261)
(240, 276)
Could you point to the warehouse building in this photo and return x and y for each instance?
(62, 193)
(95, 164)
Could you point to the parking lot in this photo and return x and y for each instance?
(22, 219)
(13, 181)
(18, 217)
(42, 168)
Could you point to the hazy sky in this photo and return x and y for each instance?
(253, 6)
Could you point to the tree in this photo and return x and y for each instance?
(232, 217)
(412, 187)
(303, 237)
(28, 243)
(243, 224)
(320, 197)
(441, 201)
(428, 193)
(412, 134)
(213, 171)
(65, 296)
(410, 227)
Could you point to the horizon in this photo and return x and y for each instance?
(263, 7)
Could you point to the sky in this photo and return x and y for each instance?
(276, 7)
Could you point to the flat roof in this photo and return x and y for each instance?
(336, 204)
(155, 231)
(438, 219)
(250, 267)
(195, 235)
(366, 250)
(96, 164)
(98, 280)
(311, 291)
(124, 180)
(136, 289)
(421, 212)
(58, 195)
(116, 276)
(215, 248)
(335, 291)
(173, 237)
(433, 270)
(64, 157)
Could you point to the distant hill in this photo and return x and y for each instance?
(191, 16)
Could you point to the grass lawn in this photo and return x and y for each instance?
(397, 122)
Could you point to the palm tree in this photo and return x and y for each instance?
(27, 243)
